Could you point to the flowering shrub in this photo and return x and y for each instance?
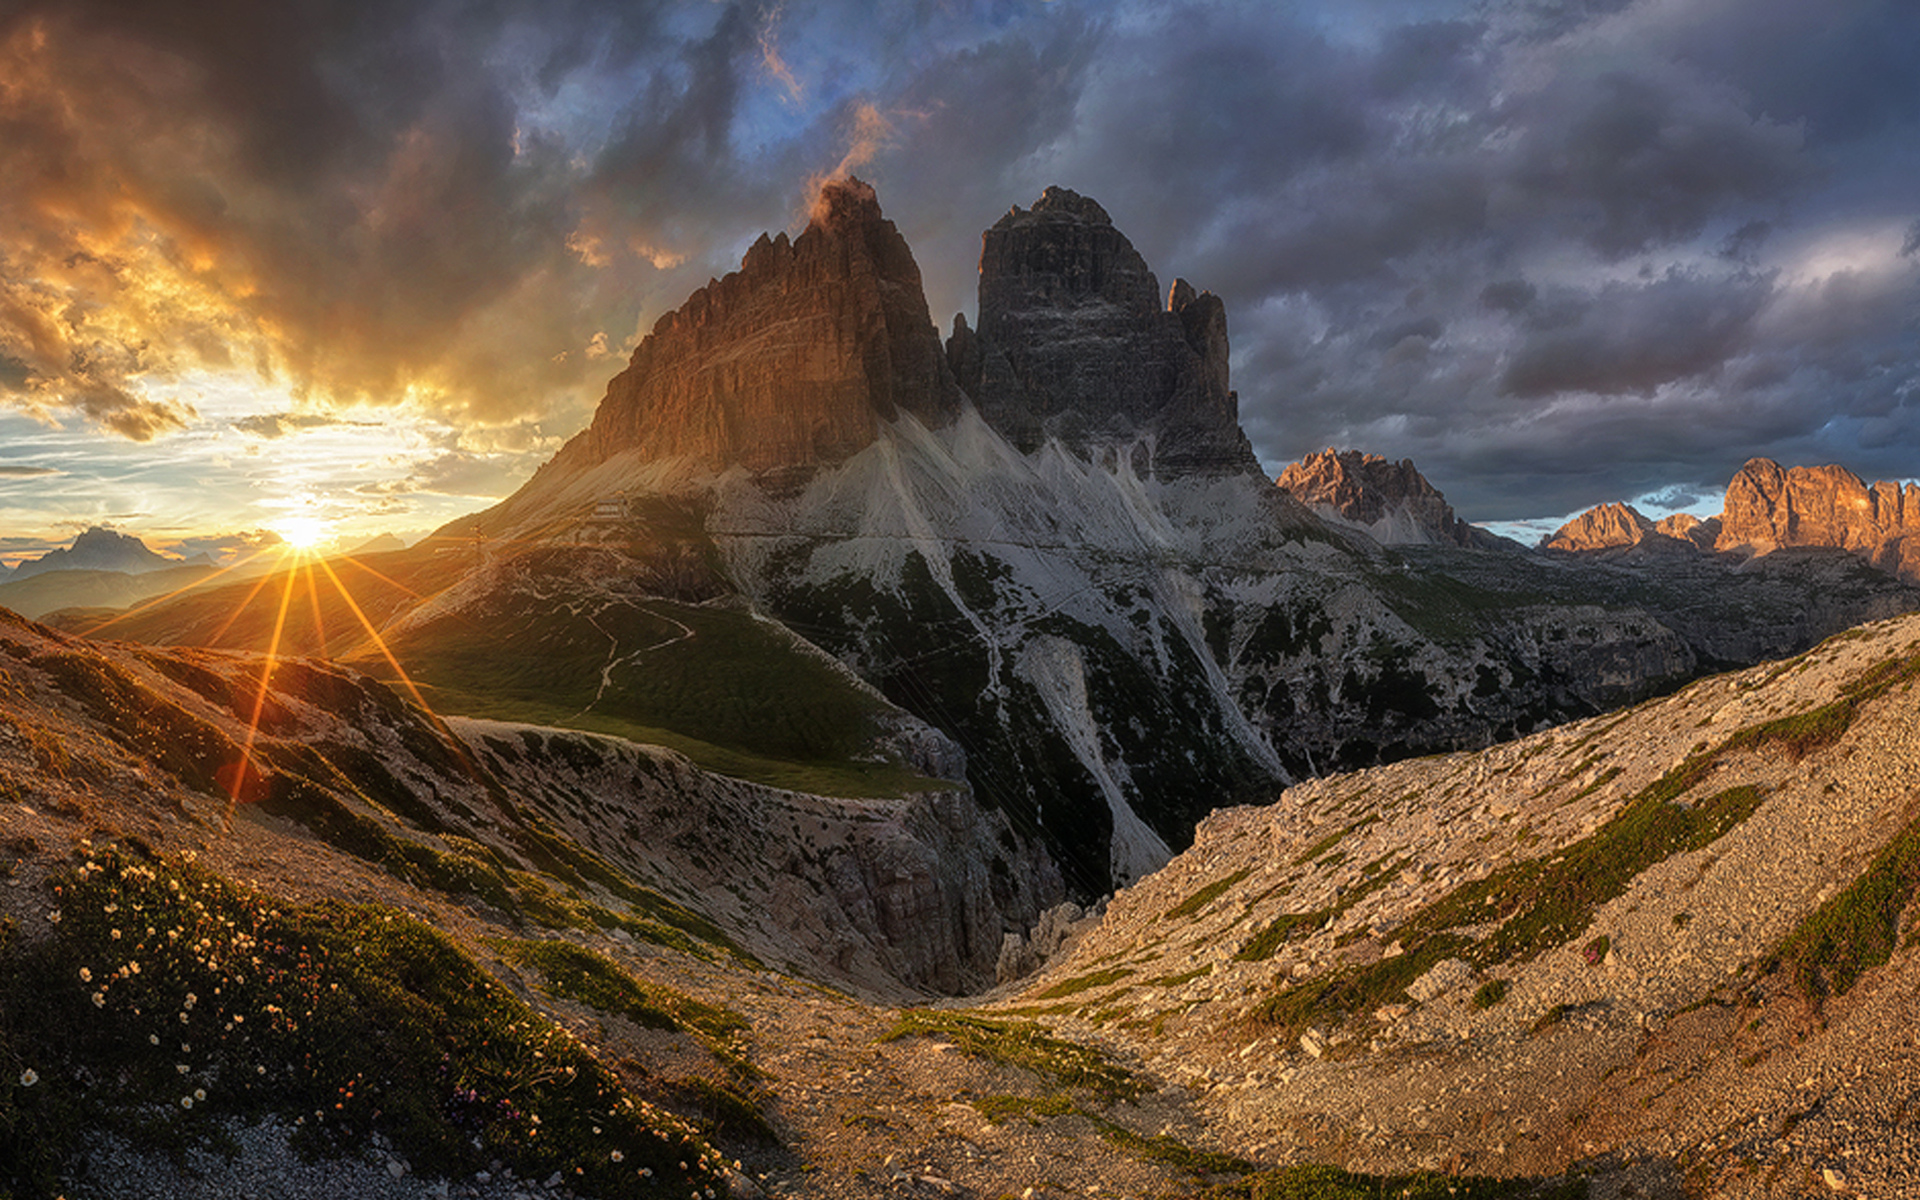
(167, 1001)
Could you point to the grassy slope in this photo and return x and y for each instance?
(730, 692)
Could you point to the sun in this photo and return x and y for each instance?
(302, 533)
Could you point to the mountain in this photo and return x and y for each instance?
(1665, 947)
(1603, 527)
(1076, 347)
(1689, 528)
(1390, 502)
(790, 364)
(1769, 507)
(98, 549)
(385, 543)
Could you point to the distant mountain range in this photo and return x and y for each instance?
(1769, 508)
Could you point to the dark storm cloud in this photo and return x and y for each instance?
(1638, 337)
(1632, 159)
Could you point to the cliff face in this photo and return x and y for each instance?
(789, 362)
(1770, 508)
(1392, 502)
(1075, 344)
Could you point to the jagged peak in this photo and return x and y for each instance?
(1058, 202)
(1602, 527)
(844, 203)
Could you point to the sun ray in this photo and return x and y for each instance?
(239, 609)
(179, 591)
(378, 641)
(351, 561)
(260, 698)
(313, 603)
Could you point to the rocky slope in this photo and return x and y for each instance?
(422, 959)
(1670, 943)
(905, 895)
(1390, 502)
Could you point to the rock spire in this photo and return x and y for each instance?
(791, 362)
(1075, 343)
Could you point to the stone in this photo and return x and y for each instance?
(1443, 977)
(1075, 345)
(1391, 502)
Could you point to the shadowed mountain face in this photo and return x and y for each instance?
(1076, 345)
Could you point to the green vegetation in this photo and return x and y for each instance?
(999, 1109)
(1490, 993)
(1289, 926)
(1281, 930)
(1205, 896)
(1855, 931)
(1331, 840)
(593, 979)
(166, 1001)
(1083, 983)
(1025, 1045)
(1312, 1182)
(733, 693)
(1184, 977)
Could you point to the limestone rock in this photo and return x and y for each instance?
(1603, 527)
(1074, 344)
(790, 362)
(1058, 930)
(1688, 528)
(1389, 501)
(1770, 508)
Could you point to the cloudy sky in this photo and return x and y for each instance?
(370, 261)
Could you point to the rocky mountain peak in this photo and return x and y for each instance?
(1603, 527)
(1075, 344)
(1390, 501)
(1770, 507)
(98, 548)
(788, 364)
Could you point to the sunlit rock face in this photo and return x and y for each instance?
(1389, 501)
(1075, 344)
(1603, 527)
(1770, 507)
(793, 361)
